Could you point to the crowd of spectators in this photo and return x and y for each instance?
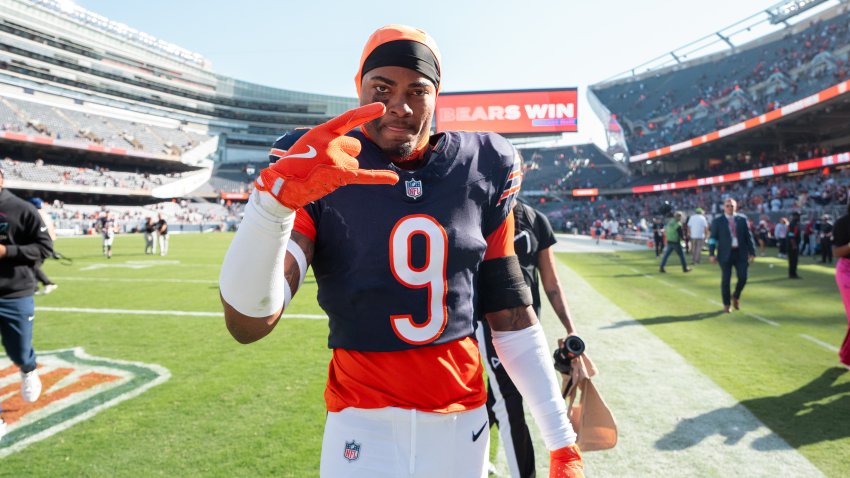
(181, 215)
(87, 174)
(236, 177)
(676, 106)
(21, 116)
(560, 169)
(768, 200)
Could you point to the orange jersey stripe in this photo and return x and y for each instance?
(277, 152)
(304, 224)
(500, 243)
(509, 192)
(443, 378)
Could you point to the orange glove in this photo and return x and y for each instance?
(323, 160)
(566, 463)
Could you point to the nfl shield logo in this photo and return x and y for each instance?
(352, 450)
(414, 188)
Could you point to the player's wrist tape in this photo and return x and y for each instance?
(525, 356)
(269, 208)
(252, 279)
(501, 285)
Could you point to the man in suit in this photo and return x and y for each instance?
(794, 238)
(733, 241)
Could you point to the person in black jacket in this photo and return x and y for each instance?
(24, 241)
(825, 234)
(794, 238)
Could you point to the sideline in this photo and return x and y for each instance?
(673, 420)
(583, 244)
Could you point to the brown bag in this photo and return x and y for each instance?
(589, 414)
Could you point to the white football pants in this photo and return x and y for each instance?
(394, 442)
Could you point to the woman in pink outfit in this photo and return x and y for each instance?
(841, 250)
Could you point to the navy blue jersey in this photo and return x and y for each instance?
(396, 266)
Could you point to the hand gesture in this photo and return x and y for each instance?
(323, 160)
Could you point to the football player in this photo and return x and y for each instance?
(107, 231)
(417, 244)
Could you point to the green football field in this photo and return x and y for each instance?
(777, 356)
(257, 410)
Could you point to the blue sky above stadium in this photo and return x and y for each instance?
(486, 45)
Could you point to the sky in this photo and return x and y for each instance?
(315, 45)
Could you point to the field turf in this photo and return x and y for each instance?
(234, 410)
(777, 355)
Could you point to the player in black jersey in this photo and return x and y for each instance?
(533, 241)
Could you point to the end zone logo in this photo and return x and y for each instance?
(75, 387)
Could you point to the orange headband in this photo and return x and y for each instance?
(392, 33)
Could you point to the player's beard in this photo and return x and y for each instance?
(402, 151)
(399, 151)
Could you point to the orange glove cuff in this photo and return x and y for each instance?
(567, 453)
(566, 463)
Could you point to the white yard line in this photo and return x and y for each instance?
(176, 313)
(766, 321)
(126, 279)
(673, 420)
(820, 342)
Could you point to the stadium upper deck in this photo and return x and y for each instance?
(59, 51)
(666, 106)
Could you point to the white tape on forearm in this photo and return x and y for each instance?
(287, 294)
(252, 276)
(300, 258)
(525, 356)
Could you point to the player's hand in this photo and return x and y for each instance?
(712, 259)
(566, 463)
(323, 160)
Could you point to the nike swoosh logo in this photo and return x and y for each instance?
(30, 318)
(43, 228)
(311, 153)
(480, 430)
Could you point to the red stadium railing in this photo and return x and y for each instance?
(777, 170)
(773, 115)
(768, 171)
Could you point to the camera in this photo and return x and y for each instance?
(573, 347)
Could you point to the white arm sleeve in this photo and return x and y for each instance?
(525, 355)
(252, 279)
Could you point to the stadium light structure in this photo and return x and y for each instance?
(785, 10)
